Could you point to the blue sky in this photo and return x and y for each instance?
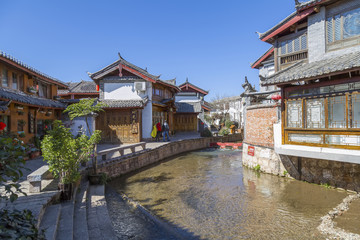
(212, 43)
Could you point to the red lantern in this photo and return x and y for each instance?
(2, 126)
(275, 96)
(97, 88)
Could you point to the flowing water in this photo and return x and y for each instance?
(210, 194)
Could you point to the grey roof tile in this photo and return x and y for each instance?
(188, 107)
(4, 105)
(10, 94)
(123, 103)
(302, 70)
(11, 58)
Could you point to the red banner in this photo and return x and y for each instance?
(251, 151)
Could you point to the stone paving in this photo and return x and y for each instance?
(33, 201)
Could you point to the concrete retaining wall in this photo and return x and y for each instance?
(132, 162)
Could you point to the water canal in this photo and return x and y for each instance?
(210, 194)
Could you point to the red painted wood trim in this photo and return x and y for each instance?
(256, 64)
(297, 18)
(8, 61)
(66, 94)
(193, 87)
(138, 73)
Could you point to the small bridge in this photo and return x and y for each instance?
(224, 145)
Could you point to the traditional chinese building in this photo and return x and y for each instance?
(79, 90)
(317, 68)
(27, 98)
(190, 108)
(136, 100)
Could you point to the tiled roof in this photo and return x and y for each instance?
(79, 87)
(288, 18)
(4, 105)
(261, 59)
(123, 103)
(11, 58)
(97, 75)
(306, 4)
(21, 97)
(110, 68)
(304, 71)
(188, 107)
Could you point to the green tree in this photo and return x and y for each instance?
(85, 108)
(64, 153)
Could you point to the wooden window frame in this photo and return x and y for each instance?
(347, 130)
(337, 44)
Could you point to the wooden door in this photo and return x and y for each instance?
(185, 122)
(119, 126)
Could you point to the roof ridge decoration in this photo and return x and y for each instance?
(194, 86)
(22, 64)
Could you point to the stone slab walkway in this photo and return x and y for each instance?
(33, 201)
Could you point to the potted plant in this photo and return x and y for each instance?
(64, 153)
(86, 108)
(32, 89)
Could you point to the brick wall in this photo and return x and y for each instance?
(259, 125)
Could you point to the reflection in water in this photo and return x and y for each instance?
(210, 194)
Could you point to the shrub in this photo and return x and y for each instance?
(19, 225)
(228, 123)
(206, 133)
(224, 131)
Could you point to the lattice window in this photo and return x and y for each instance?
(296, 44)
(354, 111)
(343, 26)
(294, 114)
(303, 42)
(315, 113)
(330, 30)
(337, 112)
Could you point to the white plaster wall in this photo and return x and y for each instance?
(122, 91)
(80, 123)
(147, 114)
(317, 35)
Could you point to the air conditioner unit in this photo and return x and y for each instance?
(140, 86)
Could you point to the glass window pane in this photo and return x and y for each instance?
(304, 42)
(352, 23)
(283, 47)
(296, 44)
(337, 28)
(355, 111)
(5, 82)
(14, 81)
(305, 138)
(337, 112)
(290, 46)
(315, 113)
(330, 30)
(294, 114)
(346, 140)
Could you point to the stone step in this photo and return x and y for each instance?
(80, 213)
(66, 224)
(50, 221)
(99, 223)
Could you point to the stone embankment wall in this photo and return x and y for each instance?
(132, 162)
(337, 174)
(265, 157)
